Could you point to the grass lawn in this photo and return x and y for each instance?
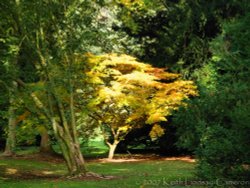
(26, 173)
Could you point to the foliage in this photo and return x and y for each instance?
(29, 129)
(49, 34)
(129, 94)
(216, 125)
(176, 34)
(9, 48)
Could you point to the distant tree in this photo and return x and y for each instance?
(128, 94)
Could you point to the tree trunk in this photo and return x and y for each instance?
(64, 132)
(70, 149)
(45, 144)
(112, 148)
(73, 156)
(11, 131)
(11, 134)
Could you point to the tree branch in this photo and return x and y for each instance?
(36, 100)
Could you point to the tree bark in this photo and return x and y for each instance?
(11, 133)
(12, 122)
(70, 149)
(69, 145)
(45, 144)
(112, 148)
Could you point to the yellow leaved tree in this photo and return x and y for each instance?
(127, 94)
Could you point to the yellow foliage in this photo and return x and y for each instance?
(156, 132)
(137, 77)
(155, 117)
(131, 93)
(131, 4)
(94, 77)
(123, 128)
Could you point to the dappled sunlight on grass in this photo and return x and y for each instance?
(48, 172)
(10, 171)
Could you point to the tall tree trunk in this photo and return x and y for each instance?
(12, 122)
(45, 144)
(11, 133)
(112, 148)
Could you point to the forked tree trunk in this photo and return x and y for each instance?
(112, 148)
(66, 139)
(70, 149)
(64, 127)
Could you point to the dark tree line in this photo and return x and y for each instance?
(207, 41)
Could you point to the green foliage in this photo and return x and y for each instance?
(216, 125)
(48, 36)
(28, 130)
(176, 34)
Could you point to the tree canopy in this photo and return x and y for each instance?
(122, 86)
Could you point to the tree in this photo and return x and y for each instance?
(48, 35)
(45, 143)
(179, 31)
(31, 129)
(9, 45)
(216, 125)
(129, 94)
(11, 129)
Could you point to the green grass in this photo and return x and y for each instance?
(143, 174)
(130, 174)
(93, 149)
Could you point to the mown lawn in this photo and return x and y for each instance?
(29, 173)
